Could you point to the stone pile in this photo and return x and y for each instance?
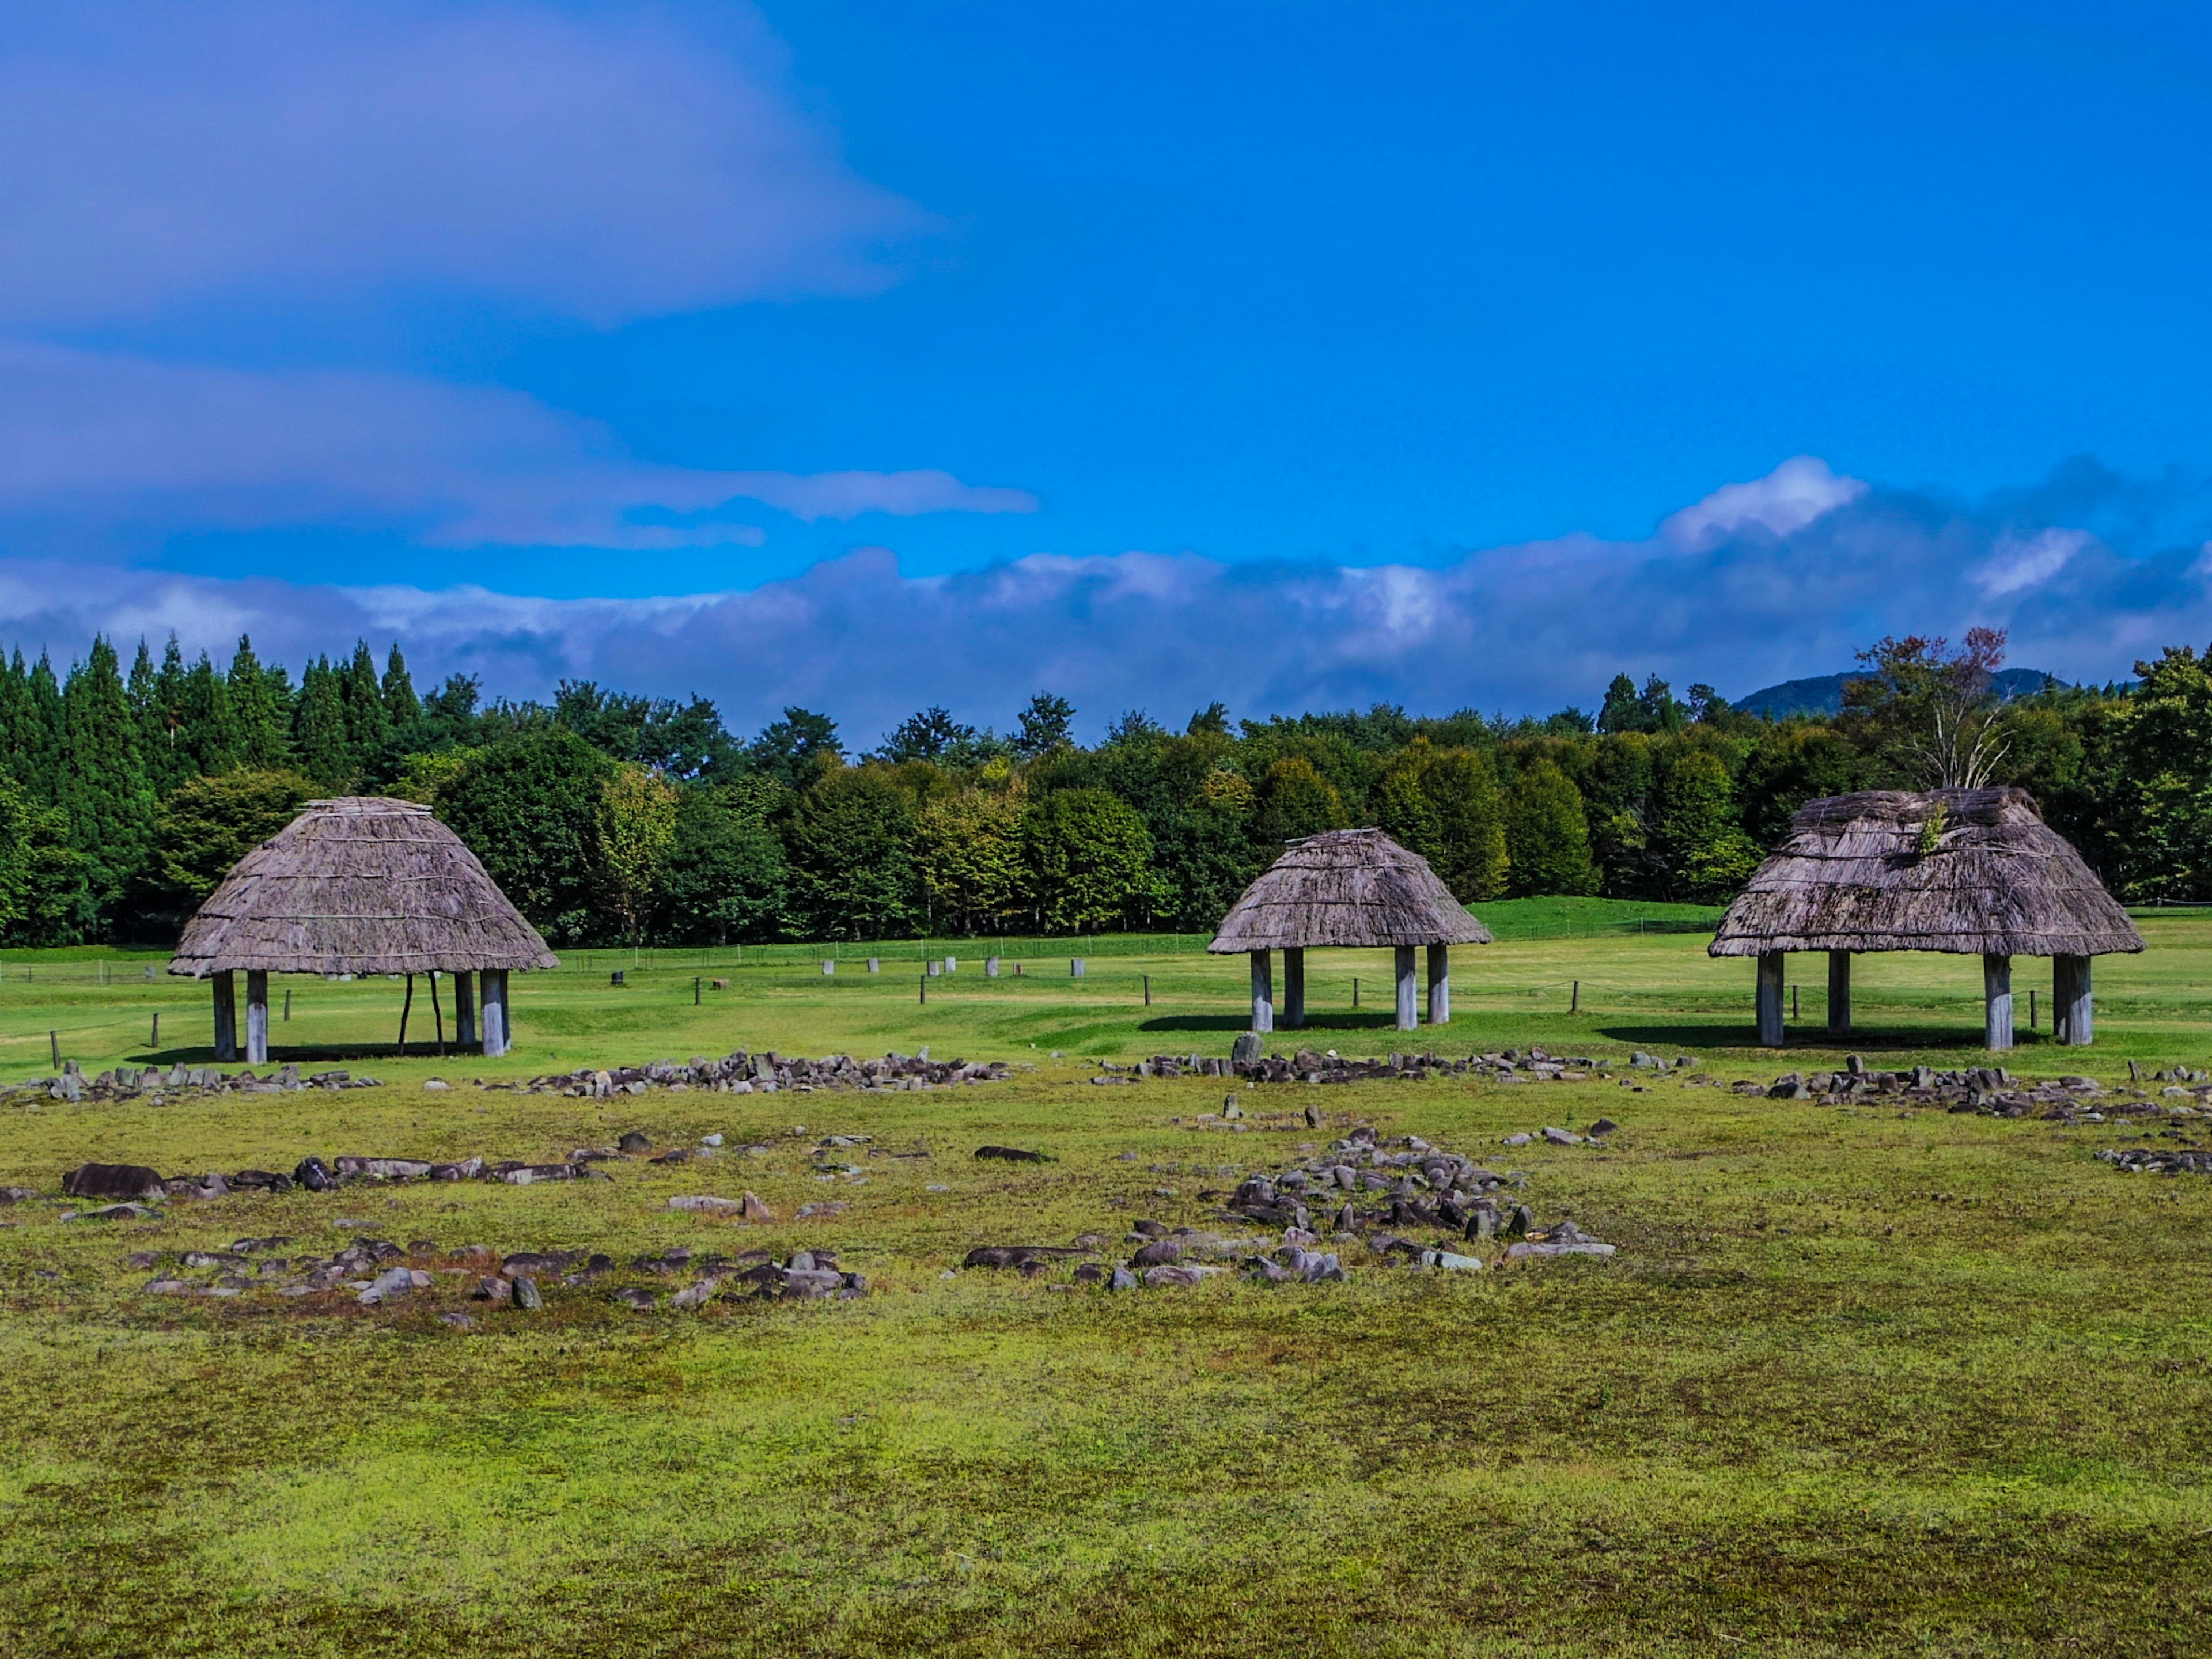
(142, 1082)
(1990, 1090)
(2151, 1160)
(1307, 1067)
(744, 1073)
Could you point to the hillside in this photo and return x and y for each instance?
(1823, 694)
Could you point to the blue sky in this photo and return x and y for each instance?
(1299, 354)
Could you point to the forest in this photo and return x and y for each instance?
(612, 818)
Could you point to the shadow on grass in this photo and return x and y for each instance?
(305, 1054)
(1866, 1040)
(1243, 1023)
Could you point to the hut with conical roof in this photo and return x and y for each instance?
(1967, 872)
(1348, 890)
(359, 885)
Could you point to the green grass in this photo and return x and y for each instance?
(1860, 1381)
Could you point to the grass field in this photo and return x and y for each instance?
(1859, 1380)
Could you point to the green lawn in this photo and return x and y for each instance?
(1859, 1380)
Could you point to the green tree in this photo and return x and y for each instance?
(1548, 833)
(208, 735)
(528, 807)
(103, 789)
(366, 728)
(1444, 804)
(45, 897)
(849, 842)
(1044, 724)
(403, 710)
(1295, 801)
(2161, 752)
(968, 848)
(1086, 858)
(319, 729)
(206, 825)
(724, 880)
(635, 829)
(35, 738)
(1702, 852)
(798, 748)
(259, 704)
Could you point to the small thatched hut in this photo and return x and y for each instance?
(1971, 872)
(359, 885)
(1347, 889)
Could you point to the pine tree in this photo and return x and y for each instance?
(319, 727)
(18, 716)
(41, 750)
(209, 735)
(363, 701)
(403, 710)
(103, 786)
(169, 755)
(257, 703)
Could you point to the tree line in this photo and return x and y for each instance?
(609, 817)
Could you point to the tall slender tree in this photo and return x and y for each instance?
(257, 703)
(104, 791)
(402, 709)
(319, 731)
(361, 694)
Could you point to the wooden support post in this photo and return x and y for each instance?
(1409, 991)
(1996, 1002)
(464, 1010)
(257, 1019)
(437, 1015)
(1263, 992)
(1294, 986)
(225, 1015)
(1839, 993)
(406, 1007)
(2073, 1012)
(498, 1029)
(1440, 985)
(1771, 1035)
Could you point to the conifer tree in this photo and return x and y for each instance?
(257, 703)
(362, 698)
(169, 752)
(103, 786)
(210, 737)
(403, 710)
(18, 716)
(42, 745)
(319, 728)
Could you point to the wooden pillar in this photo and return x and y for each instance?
(2073, 1016)
(1294, 986)
(1771, 964)
(1996, 999)
(257, 1019)
(495, 1031)
(225, 1015)
(1409, 991)
(1440, 985)
(1839, 993)
(464, 1010)
(1263, 992)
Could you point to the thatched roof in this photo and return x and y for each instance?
(1866, 872)
(1346, 887)
(359, 885)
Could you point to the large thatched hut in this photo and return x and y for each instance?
(1969, 872)
(1347, 889)
(359, 885)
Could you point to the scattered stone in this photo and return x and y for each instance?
(1011, 1155)
(126, 1181)
(435, 1084)
(527, 1295)
(1015, 1255)
(2147, 1160)
(500, 1290)
(111, 1212)
(460, 1321)
(17, 1195)
(167, 1287)
(390, 1284)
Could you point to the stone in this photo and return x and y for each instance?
(1011, 1155)
(314, 1175)
(634, 1141)
(16, 1195)
(1166, 1276)
(1245, 1050)
(526, 1294)
(125, 1181)
(1090, 1273)
(1315, 1117)
(493, 1290)
(460, 1321)
(1451, 1261)
(1159, 1252)
(167, 1287)
(710, 1140)
(700, 1204)
(436, 1085)
(111, 1212)
(389, 1285)
(1561, 1136)
(637, 1300)
(1517, 1140)
(140, 1260)
(1604, 1126)
(1123, 1280)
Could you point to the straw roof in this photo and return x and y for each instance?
(359, 885)
(1867, 872)
(1346, 887)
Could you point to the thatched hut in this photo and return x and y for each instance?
(359, 885)
(1969, 872)
(1347, 889)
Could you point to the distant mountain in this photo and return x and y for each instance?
(1824, 694)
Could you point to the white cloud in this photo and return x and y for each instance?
(596, 161)
(98, 447)
(2018, 565)
(1785, 501)
(1522, 628)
